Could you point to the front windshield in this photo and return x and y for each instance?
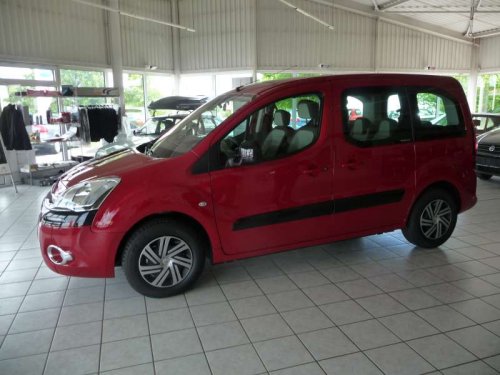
(190, 131)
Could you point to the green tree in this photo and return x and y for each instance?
(82, 78)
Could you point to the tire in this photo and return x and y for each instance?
(425, 228)
(148, 267)
(484, 176)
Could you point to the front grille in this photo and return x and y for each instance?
(491, 162)
(485, 149)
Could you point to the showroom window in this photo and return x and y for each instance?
(374, 116)
(488, 93)
(82, 78)
(157, 87)
(133, 86)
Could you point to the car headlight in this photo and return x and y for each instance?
(86, 195)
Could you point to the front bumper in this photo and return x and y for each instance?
(93, 252)
(488, 164)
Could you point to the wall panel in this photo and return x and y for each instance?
(224, 38)
(52, 31)
(287, 39)
(146, 43)
(490, 54)
(402, 48)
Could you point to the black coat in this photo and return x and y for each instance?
(13, 130)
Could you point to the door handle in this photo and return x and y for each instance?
(351, 164)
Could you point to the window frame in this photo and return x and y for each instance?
(216, 164)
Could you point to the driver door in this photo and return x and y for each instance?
(268, 193)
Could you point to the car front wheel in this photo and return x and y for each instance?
(163, 258)
(432, 219)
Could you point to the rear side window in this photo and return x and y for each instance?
(436, 115)
(375, 116)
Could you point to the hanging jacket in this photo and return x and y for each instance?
(13, 129)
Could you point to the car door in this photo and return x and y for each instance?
(284, 195)
(374, 180)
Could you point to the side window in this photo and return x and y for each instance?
(277, 130)
(374, 116)
(436, 116)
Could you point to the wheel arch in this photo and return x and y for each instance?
(443, 185)
(179, 217)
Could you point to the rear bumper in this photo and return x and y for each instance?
(93, 253)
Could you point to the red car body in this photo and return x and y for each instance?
(363, 180)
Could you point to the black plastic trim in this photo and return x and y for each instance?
(68, 219)
(319, 209)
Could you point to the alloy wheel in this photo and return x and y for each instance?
(436, 219)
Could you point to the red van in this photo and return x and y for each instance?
(234, 179)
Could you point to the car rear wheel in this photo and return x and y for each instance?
(432, 219)
(163, 258)
(484, 176)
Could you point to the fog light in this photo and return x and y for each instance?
(59, 256)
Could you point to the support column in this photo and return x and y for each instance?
(176, 46)
(473, 77)
(115, 49)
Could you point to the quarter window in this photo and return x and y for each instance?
(374, 116)
(436, 116)
(279, 129)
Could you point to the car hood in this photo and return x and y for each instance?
(116, 164)
(492, 137)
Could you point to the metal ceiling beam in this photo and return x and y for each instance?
(409, 11)
(391, 4)
(309, 15)
(486, 33)
(127, 14)
(375, 5)
(473, 8)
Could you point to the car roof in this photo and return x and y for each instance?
(262, 88)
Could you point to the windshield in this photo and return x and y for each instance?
(190, 131)
(157, 125)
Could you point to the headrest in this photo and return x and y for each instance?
(362, 124)
(308, 109)
(281, 117)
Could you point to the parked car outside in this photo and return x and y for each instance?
(484, 122)
(488, 154)
(252, 185)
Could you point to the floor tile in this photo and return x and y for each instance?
(230, 274)
(78, 361)
(476, 268)
(408, 326)
(276, 284)
(242, 289)
(266, 327)
(390, 282)
(441, 351)
(359, 288)
(24, 344)
(124, 307)
(345, 312)
(224, 335)
(239, 360)
(473, 368)
(340, 274)
(201, 296)
(327, 343)
(5, 323)
(477, 287)
(282, 352)
(494, 362)
(415, 299)
(445, 318)
(212, 313)
(477, 340)
(420, 277)
(88, 312)
(84, 295)
(125, 353)
(251, 307)
(307, 369)
(493, 327)
(120, 290)
(477, 310)
(48, 285)
(189, 365)
(369, 334)
(42, 301)
(161, 304)
(144, 369)
(292, 300)
(175, 344)
(308, 319)
(399, 359)
(170, 320)
(10, 305)
(77, 335)
(34, 320)
(352, 364)
(381, 305)
(324, 294)
(447, 293)
(124, 328)
(32, 365)
(308, 279)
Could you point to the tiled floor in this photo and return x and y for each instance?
(368, 306)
